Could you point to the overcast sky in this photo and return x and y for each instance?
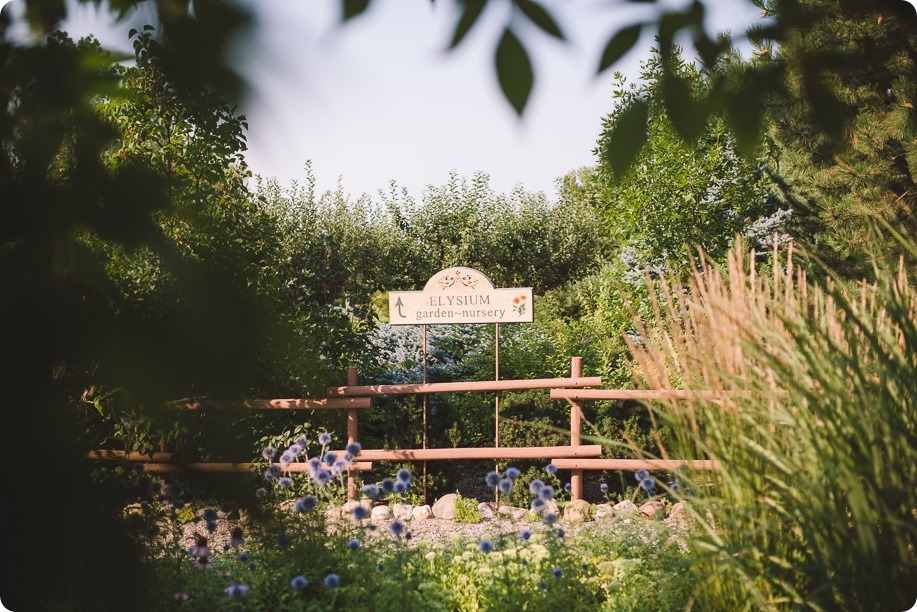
(379, 98)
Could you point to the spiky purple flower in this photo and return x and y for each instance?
(332, 581)
(485, 546)
(324, 438)
(354, 448)
(404, 475)
(506, 486)
(535, 487)
(550, 468)
(397, 528)
(492, 479)
(512, 473)
(299, 583)
(268, 453)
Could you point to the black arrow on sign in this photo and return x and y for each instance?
(398, 305)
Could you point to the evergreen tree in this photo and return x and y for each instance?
(841, 191)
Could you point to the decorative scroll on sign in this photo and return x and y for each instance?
(460, 295)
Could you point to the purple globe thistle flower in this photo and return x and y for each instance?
(339, 467)
(512, 473)
(380, 567)
(243, 557)
(323, 477)
(641, 475)
(287, 458)
(550, 468)
(537, 504)
(313, 465)
(371, 491)
(252, 566)
(404, 475)
(401, 486)
(298, 583)
(235, 537)
(387, 485)
(283, 539)
(557, 573)
(285, 483)
(329, 458)
(543, 586)
(260, 492)
(546, 493)
(647, 484)
(354, 448)
(560, 533)
(269, 475)
(268, 453)
(332, 581)
(275, 470)
(302, 441)
(549, 519)
(236, 591)
(525, 534)
(506, 486)
(603, 488)
(353, 544)
(397, 528)
(673, 486)
(324, 439)
(492, 479)
(485, 546)
(306, 504)
(535, 487)
(295, 449)
(567, 487)
(359, 512)
(210, 526)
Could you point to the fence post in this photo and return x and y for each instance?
(352, 432)
(576, 424)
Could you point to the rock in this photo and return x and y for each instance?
(516, 514)
(578, 511)
(421, 513)
(348, 507)
(625, 507)
(653, 509)
(444, 508)
(381, 513)
(680, 515)
(485, 510)
(402, 512)
(603, 511)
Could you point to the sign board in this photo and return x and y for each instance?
(460, 295)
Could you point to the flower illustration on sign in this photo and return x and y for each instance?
(519, 305)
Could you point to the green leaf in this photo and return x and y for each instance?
(620, 43)
(688, 115)
(514, 71)
(132, 32)
(540, 17)
(473, 10)
(627, 138)
(354, 8)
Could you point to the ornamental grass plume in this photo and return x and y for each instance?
(809, 412)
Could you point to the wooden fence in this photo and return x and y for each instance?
(354, 397)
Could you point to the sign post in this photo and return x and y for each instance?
(460, 295)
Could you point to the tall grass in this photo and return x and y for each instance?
(814, 428)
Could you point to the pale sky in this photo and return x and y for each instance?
(380, 98)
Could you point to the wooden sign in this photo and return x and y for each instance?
(460, 295)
